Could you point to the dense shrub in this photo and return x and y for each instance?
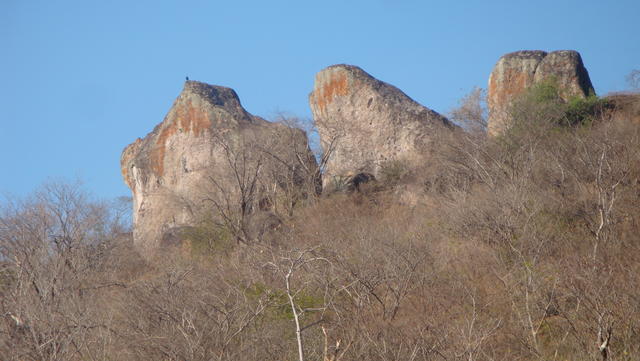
(543, 102)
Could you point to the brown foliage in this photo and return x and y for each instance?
(523, 246)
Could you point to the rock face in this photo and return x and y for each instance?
(517, 71)
(207, 153)
(365, 123)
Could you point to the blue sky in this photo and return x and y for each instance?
(79, 80)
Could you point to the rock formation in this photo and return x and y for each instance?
(365, 123)
(209, 155)
(517, 71)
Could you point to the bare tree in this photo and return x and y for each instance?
(476, 331)
(292, 164)
(287, 266)
(236, 185)
(193, 312)
(50, 245)
(261, 170)
(471, 112)
(633, 78)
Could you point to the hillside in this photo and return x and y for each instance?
(408, 236)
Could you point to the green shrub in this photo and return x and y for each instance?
(545, 92)
(582, 111)
(209, 239)
(339, 184)
(280, 307)
(542, 103)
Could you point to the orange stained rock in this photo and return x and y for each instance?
(513, 83)
(337, 85)
(188, 119)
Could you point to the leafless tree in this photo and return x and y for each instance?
(51, 249)
(287, 266)
(192, 312)
(471, 112)
(633, 78)
(236, 185)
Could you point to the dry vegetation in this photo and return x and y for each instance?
(520, 247)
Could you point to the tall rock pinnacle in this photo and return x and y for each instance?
(364, 122)
(517, 71)
(194, 155)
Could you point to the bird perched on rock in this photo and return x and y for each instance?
(187, 78)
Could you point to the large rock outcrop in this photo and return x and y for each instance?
(210, 155)
(365, 123)
(517, 71)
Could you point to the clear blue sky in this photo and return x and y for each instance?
(79, 80)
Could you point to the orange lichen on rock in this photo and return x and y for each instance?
(513, 83)
(336, 85)
(190, 119)
(504, 87)
(517, 71)
(193, 119)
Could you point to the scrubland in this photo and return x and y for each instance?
(524, 246)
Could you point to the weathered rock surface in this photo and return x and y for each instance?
(517, 71)
(208, 150)
(364, 123)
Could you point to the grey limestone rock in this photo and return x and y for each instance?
(517, 71)
(187, 162)
(365, 123)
